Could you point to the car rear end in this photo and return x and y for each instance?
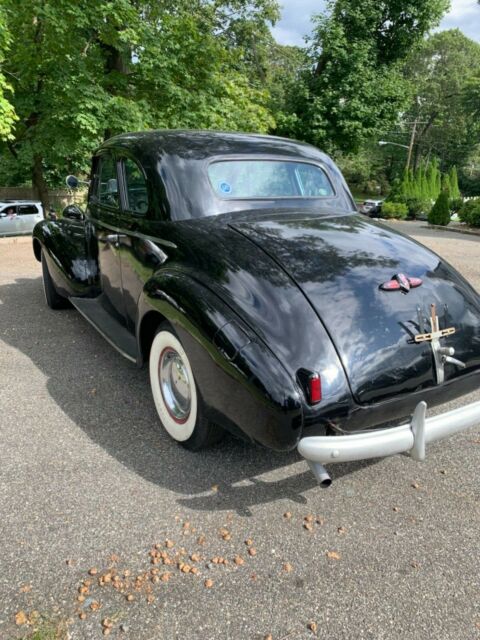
(405, 327)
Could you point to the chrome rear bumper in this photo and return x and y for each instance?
(411, 437)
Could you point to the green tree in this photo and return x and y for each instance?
(424, 190)
(433, 179)
(7, 111)
(356, 87)
(440, 213)
(446, 187)
(453, 179)
(364, 170)
(83, 71)
(442, 72)
(284, 68)
(405, 188)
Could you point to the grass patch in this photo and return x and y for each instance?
(47, 630)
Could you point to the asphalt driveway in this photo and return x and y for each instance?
(247, 544)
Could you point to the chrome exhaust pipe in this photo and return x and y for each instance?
(320, 473)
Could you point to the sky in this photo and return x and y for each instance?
(295, 22)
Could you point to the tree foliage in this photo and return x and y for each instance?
(73, 72)
(441, 71)
(443, 74)
(84, 71)
(424, 183)
(440, 213)
(7, 111)
(356, 87)
(470, 212)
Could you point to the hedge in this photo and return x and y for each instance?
(470, 212)
(394, 210)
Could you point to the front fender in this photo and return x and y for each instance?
(243, 385)
(64, 244)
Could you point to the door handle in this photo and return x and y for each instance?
(114, 239)
(120, 236)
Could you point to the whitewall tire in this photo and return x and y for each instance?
(173, 387)
(175, 393)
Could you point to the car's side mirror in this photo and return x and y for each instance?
(73, 212)
(72, 182)
(3, 215)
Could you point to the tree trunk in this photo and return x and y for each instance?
(39, 184)
(115, 63)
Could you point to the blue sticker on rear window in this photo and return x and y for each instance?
(225, 187)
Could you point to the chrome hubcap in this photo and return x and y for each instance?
(175, 385)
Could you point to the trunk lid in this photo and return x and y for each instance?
(339, 264)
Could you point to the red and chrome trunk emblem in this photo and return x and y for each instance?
(441, 355)
(401, 282)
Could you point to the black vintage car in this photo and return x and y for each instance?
(238, 268)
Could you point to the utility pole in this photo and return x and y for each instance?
(412, 141)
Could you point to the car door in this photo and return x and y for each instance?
(8, 217)
(27, 217)
(137, 252)
(104, 209)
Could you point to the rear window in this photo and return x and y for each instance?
(253, 179)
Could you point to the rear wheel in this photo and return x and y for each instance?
(53, 298)
(178, 403)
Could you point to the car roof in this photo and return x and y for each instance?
(174, 160)
(2, 202)
(197, 144)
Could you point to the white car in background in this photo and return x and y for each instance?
(371, 207)
(18, 217)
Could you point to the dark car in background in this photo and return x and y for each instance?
(238, 268)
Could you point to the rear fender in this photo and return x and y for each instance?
(243, 385)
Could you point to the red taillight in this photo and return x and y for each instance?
(314, 388)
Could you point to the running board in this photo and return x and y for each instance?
(94, 310)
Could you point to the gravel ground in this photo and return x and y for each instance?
(87, 481)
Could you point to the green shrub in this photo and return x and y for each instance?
(475, 216)
(470, 212)
(440, 213)
(417, 206)
(393, 210)
(456, 204)
(396, 198)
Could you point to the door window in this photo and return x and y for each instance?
(136, 185)
(107, 183)
(27, 209)
(9, 212)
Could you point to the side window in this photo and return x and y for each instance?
(9, 211)
(313, 181)
(136, 186)
(27, 209)
(107, 192)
